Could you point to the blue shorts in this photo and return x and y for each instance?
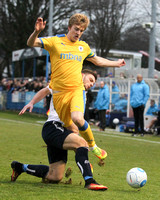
(54, 134)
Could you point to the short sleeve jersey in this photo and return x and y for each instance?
(66, 61)
(53, 116)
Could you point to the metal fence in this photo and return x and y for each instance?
(17, 100)
(124, 86)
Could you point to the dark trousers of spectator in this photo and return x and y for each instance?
(102, 119)
(139, 118)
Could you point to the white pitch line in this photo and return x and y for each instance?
(20, 122)
(116, 135)
(124, 136)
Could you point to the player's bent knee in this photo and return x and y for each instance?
(56, 171)
(78, 119)
(55, 178)
(82, 143)
(73, 142)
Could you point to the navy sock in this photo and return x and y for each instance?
(83, 162)
(37, 170)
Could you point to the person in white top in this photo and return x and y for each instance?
(59, 140)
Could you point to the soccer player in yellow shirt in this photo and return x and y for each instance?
(67, 54)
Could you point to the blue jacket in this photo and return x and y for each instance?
(139, 94)
(152, 109)
(102, 100)
(115, 97)
(121, 105)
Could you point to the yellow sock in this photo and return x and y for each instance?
(87, 134)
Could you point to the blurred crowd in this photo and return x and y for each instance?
(30, 84)
(20, 85)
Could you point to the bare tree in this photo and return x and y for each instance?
(107, 19)
(17, 20)
(134, 38)
(142, 9)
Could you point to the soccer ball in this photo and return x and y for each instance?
(136, 177)
(116, 121)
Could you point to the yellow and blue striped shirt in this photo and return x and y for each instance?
(66, 61)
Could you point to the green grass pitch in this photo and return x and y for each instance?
(20, 139)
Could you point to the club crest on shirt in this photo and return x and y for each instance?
(80, 48)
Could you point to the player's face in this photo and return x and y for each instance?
(88, 81)
(75, 32)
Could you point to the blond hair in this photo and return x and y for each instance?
(79, 19)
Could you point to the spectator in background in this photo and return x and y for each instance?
(110, 75)
(26, 85)
(122, 75)
(17, 85)
(154, 122)
(153, 108)
(102, 104)
(121, 104)
(30, 85)
(12, 86)
(40, 85)
(9, 84)
(3, 84)
(115, 96)
(139, 96)
(35, 86)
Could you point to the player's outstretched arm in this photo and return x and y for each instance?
(38, 97)
(33, 40)
(28, 106)
(103, 62)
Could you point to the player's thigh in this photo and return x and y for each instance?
(78, 107)
(62, 106)
(74, 141)
(78, 101)
(78, 118)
